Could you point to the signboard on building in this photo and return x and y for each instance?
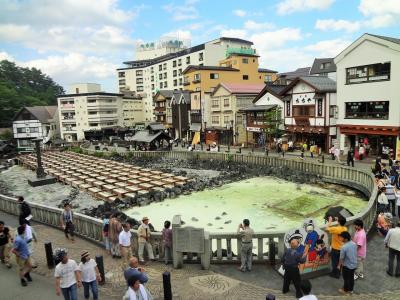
(398, 149)
(189, 239)
(254, 129)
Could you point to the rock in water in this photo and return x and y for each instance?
(209, 224)
(217, 218)
(194, 219)
(228, 222)
(224, 214)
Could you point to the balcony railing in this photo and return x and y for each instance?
(186, 83)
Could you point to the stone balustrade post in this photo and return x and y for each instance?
(177, 257)
(205, 257)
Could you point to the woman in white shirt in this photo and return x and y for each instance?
(383, 202)
(136, 290)
(89, 275)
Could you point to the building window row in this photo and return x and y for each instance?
(367, 110)
(368, 73)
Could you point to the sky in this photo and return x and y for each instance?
(86, 40)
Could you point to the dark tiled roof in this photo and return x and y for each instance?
(178, 94)
(42, 113)
(145, 136)
(236, 40)
(212, 68)
(263, 70)
(276, 88)
(390, 39)
(298, 72)
(316, 67)
(165, 93)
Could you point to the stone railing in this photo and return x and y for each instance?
(223, 245)
(86, 227)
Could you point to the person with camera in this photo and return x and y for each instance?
(246, 255)
(135, 270)
(67, 221)
(336, 243)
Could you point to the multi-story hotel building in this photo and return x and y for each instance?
(160, 65)
(86, 107)
(368, 77)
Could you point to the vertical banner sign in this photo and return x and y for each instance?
(319, 103)
(288, 108)
(398, 149)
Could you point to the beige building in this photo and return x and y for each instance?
(86, 107)
(226, 124)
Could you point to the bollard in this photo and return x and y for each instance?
(49, 255)
(201, 145)
(266, 152)
(100, 265)
(312, 154)
(218, 148)
(302, 155)
(322, 159)
(240, 150)
(252, 148)
(272, 252)
(167, 285)
(229, 148)
(283, 153)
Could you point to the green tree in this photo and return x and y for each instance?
(273, 123)
(21, 87)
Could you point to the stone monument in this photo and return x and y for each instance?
(41, 177)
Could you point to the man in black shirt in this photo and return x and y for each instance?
(24, 210)
(291, 260)
(5, 238)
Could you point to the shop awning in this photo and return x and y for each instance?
(145, 137)
(373, 130)
(195, 127)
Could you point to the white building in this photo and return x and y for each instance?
(310, 111)
(86, 107)
(35, 122)
(368, 91)
(161, 68)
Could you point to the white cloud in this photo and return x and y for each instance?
(102, 40)
(183, 11)
(252, 25)
(5, 56)
(291, 6)
(380, 13)
(328, 48)
(240, 13)
(179, 34)
(338, 25)
(237, 33)
(73, 67)
(269, 40)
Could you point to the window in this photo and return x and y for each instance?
(215, 103)
(226, 102)
(139, 73)
(159, 67)
(175, 82)
(139, 88)
(245, 77)
(333, 111)
(174, 73)
(165, 85)
(201, 65)
(226, 120)
(21, 130)
(325, 65)
(369, 73)
(239, 119)
(152, 77)
(121, 82)
(268, 78)
(165, 75)
(215, 119)
(164, 66)
(201, 56)
(152, 86)
(180, 81)
(367, 110)
(304, 111)
(151, 70)
(197, 77)
(214, 75)
(121, 74)
(160, 76)
(174, 63)
(161, 85)
(179, 62)
(33, 129)
(139, 80)
(188, 60)
(245, 60)
(180, 72)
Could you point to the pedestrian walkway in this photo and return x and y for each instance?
(221, 282)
